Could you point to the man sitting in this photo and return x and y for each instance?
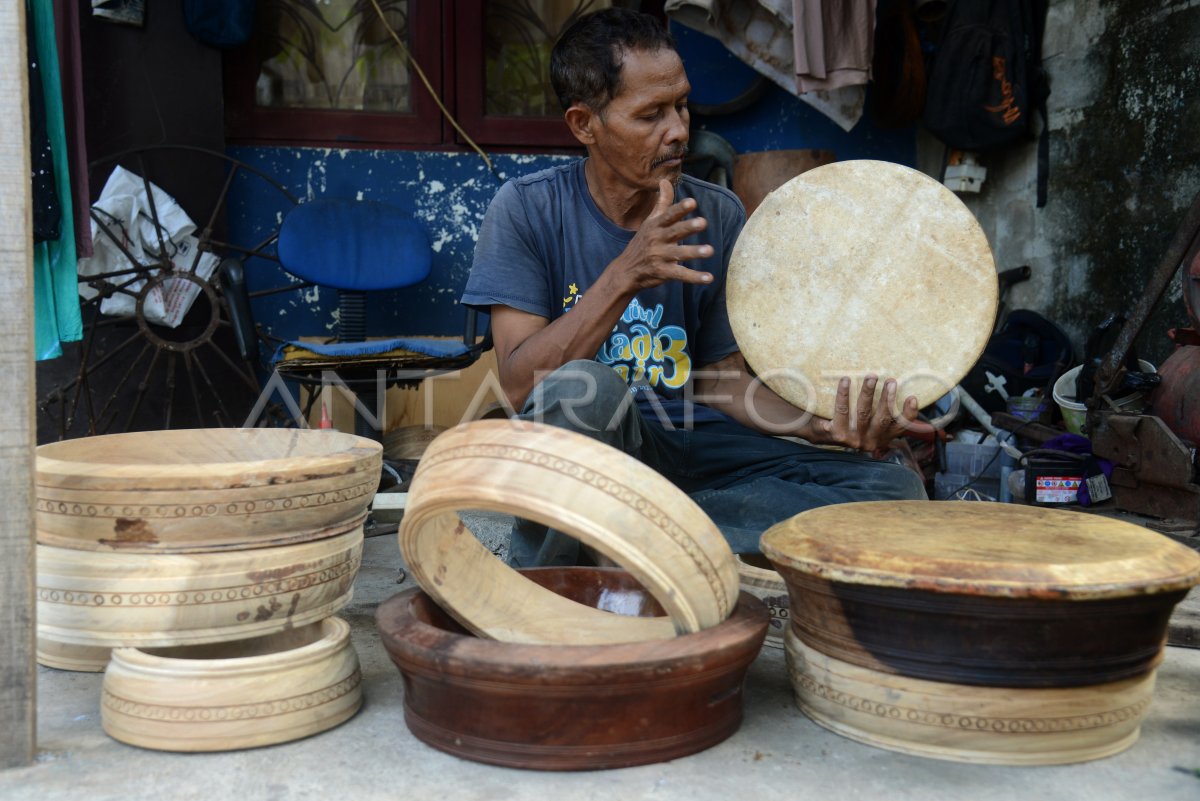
(605, 278)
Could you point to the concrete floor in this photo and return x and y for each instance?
(777, 754)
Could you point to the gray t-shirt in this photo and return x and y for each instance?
(544, 242)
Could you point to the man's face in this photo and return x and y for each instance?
(642, 135)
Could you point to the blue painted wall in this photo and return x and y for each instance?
(449, 193)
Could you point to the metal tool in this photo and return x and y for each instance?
(1156, 472)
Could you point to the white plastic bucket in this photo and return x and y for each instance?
(1075, 413)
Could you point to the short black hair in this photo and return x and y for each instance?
(585, 65)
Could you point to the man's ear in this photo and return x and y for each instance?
(582, 120)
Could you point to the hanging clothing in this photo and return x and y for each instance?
(70, 63)
(763, 34)
(57, 317)
(47, 211)
(834, 43)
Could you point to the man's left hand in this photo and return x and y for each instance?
(869, 427)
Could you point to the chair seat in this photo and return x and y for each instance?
(359, 245)
(399, 353)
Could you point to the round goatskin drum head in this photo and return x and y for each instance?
(857, 268)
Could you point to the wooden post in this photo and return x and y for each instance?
(18, 721)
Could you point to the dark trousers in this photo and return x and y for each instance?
(745, 481)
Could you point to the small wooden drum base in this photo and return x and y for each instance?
(66, 656)
(758, 578)
(243, 694)
(985, 725)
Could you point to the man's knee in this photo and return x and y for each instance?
(902, 483)
(582, 395)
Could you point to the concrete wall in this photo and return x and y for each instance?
(1124, 165)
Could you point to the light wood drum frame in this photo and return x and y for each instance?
(202, 490)
(861, 267)
(231, 695)
(765, 584)
(128, 599)
(78, 658)
(958, 723)
(597, 494)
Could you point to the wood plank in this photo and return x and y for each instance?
(444, 400)
(18, 722)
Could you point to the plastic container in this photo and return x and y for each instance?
(1075, 413)
(1035, 409)
(958, 487)
(973, 459)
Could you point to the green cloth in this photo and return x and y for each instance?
(57, 317)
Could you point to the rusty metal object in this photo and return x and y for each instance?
(133, 373)
(1156, 473)
(1184, 248)
(1177, 399)
(1191, 290)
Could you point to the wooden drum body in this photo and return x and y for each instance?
(101, 599)
(197, 490)
(989, 725)
(233, 695)
(570, 707)
(981, 594)
(758, 578)
(588, 490)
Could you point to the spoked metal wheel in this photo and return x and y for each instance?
(131, 371)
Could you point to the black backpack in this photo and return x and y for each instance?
(1028, 352)
(986, 81)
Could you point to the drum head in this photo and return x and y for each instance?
(981, 549)
(861, 267)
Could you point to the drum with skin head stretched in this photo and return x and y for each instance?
(993, 595)
(857, 268)
(977, 632)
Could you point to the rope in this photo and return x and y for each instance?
(421, 74)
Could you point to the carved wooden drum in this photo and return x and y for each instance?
(758, 578)
(241, 694)
(861, 267)
(571, 707)
(992, 595)
(977, 632)
(108, 600)
(198, 490)
(586, 489)
(960, 723)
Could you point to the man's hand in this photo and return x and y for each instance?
(872, 426)
(653, 256)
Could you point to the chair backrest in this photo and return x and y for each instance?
(359, 245)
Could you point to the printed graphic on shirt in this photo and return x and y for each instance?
(645, 352)
(572, 297)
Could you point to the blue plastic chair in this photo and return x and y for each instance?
(356, 247)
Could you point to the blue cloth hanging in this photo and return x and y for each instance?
(57, 317)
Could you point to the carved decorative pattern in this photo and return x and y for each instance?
(206, 714)
(947, 720)
(215, 595)
(585, 475)
(175, 510)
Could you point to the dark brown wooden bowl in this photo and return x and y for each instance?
(571, 707)
(981, 594)
(989, 642)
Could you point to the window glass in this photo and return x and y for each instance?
(518, 37)
(332, 54)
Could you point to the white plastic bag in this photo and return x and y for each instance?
(124, 207)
